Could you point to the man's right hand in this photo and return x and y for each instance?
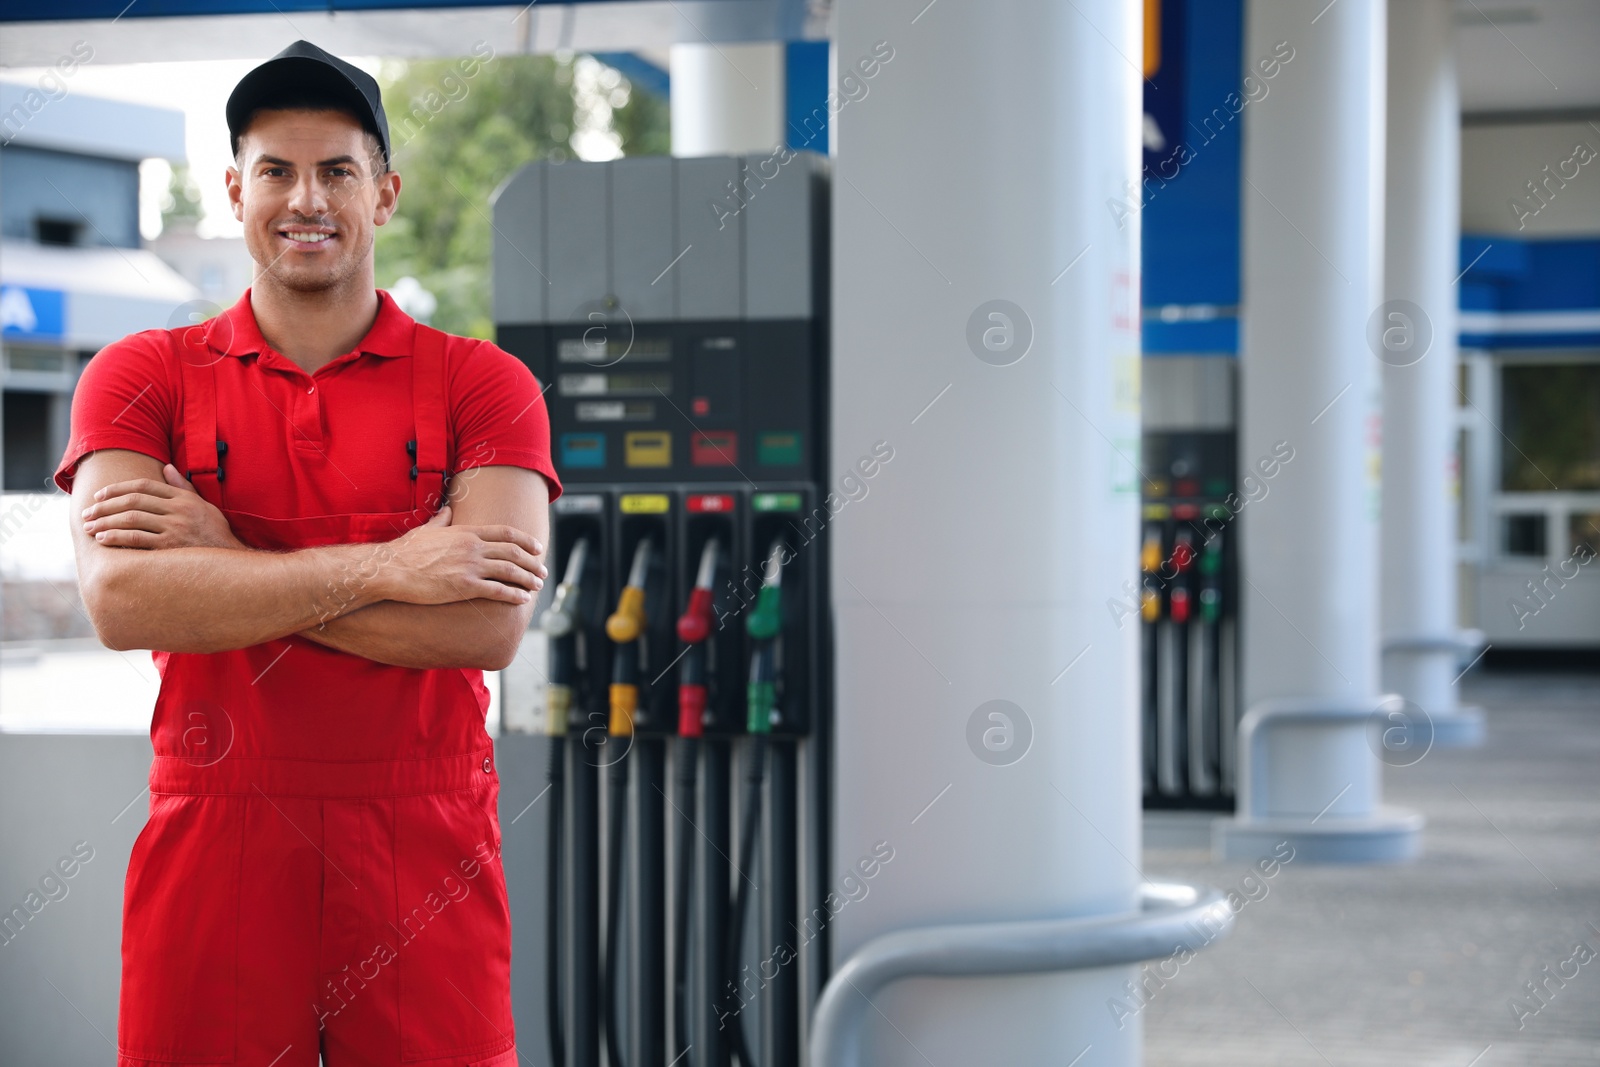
(437, 563)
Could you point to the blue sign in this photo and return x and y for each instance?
(28, 312)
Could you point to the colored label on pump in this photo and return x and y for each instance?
(583, 450)
(775, 502)
(1157, 511)
(714, 448)
(779, 449)
(644, 503)
(579, 504)
(709, 503)
(648, 448)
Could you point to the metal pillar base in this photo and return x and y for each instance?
(1453, 726)
(1393, 835)
(1302, 755)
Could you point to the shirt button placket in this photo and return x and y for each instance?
(308, 420)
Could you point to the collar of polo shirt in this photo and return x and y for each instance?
(235, 333)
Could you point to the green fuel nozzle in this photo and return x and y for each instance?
(766, 618)
(764, 625)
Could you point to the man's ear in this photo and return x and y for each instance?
(235, 183)
(388, 197)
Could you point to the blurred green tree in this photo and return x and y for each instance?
(181, 202)
(457, 138)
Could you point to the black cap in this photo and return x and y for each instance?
(304, 72)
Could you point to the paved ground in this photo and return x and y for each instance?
(1417, 965)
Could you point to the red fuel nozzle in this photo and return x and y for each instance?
(695, 623)
(1180, 605)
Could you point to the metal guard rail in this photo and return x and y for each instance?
(1171, 916)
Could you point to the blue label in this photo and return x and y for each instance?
(583, 451)
(28, 312)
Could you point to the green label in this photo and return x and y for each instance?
(775, 501)
(778, 449)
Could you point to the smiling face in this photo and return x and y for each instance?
(306, 187)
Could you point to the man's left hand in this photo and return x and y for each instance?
(148, 514)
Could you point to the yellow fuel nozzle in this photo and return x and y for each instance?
(1150, 552)
(1149, 605)
(628, 621)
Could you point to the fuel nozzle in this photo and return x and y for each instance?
(624, 627)
(1211, 580)
(627, 622)
(1150, 563)
(562, 618)
(1183, 556)
(558, 624)
(763, 626)
(766, 619)
(694, 626)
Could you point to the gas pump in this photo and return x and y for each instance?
(690, 405)
(1191, 712)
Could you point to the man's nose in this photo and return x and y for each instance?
(309, 197)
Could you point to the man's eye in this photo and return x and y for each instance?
(340, 172)
(274, 172)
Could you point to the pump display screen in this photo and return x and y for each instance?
(613, 384)
(600, 347)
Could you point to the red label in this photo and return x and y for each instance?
(715, 448)
(703, 503)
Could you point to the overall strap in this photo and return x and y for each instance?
(203, 454)
(430, 452)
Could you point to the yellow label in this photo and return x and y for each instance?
(644, 503)
(647, 448)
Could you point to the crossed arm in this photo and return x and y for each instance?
(159, 568)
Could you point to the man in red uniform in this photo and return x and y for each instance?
(329, 520)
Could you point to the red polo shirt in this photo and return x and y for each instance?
(329, 443)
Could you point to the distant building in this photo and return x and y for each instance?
(73, 274)
(220, 267)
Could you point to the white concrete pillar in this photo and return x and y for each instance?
(1415, 341)
(986, 315)
(1313, 248)
(727, 99)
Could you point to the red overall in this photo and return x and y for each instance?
(320, 871)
